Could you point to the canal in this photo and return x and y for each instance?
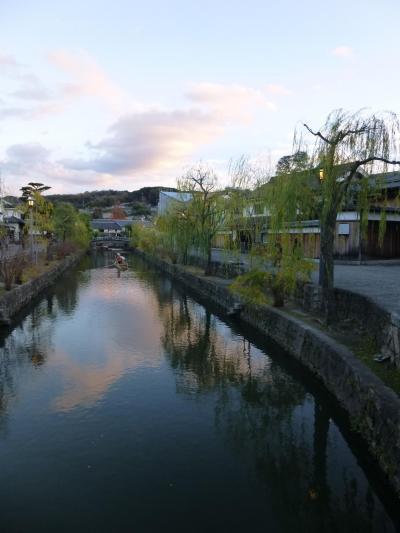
(128, 406)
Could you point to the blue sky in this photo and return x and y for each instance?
(123, 94)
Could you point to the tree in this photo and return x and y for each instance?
(97, 213)
(292, 163)
(32, 188)
(243, 207)
(118, 213)
(205, 210)
(348, 146)
(288, 200)
(41, 211)
(140, 209)
(69, 225)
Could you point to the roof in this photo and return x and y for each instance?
(388, 180)
(13, 220)
(178, 196)
(106, 224)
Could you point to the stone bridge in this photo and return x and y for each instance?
(110, 240)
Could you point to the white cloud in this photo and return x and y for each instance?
(31, 88)
(280, 90)
(87, 78)
(159, 139)
(233, 101)
(343, 51)
(31, 162)
(150, 140)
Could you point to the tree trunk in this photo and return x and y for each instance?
(328, 228)
(207, 270)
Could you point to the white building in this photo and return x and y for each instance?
(168, 199)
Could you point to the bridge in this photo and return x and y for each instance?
(110, 240)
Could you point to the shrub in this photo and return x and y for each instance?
(12, 268)
(65, 248)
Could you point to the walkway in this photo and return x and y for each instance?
(379, 281)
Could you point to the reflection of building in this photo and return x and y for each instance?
(168, 199)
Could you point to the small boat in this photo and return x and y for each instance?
(122, 267)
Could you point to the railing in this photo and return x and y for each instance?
(110, 238)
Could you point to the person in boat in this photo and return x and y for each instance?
(120, 262)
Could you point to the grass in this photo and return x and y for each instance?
(33, 271)
(365, 349)
(363, 346)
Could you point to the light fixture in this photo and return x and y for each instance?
(30, 201)
(321, 174)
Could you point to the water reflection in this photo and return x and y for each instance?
(141, 400)
(267, 418)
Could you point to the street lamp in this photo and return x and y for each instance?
(30, 205)
(321, 174)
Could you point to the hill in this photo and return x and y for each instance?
(108, 198)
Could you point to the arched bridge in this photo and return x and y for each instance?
(110, 240)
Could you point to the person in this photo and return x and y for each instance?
(120, 259)
(120, 262)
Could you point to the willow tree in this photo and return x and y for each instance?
(206, 208)
(176, 229)
(349, 146)
(289, 200)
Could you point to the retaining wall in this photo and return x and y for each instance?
(14, 300)
(375, 321)
(373, 408)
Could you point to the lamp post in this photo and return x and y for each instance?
(30, 205)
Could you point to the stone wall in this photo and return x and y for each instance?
(373, 408)
(375, 321)
(14, 300)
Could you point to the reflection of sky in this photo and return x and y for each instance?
(115, 329)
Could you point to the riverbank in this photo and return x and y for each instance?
(373, 408)
(13, 301)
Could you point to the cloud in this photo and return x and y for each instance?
(29, 153)
(8, 61)
(31, 88)
(149, 140)
(230, 101)
(343, 51)
(88, 78)
(276, 89)
(31, 113)
(158, 139)
(32, 162)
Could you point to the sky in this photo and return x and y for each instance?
(97, 94)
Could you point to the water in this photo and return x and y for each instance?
(126, 406)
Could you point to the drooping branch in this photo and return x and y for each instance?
(318, 134)
(357, 164)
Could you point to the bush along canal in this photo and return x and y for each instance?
(126, 405)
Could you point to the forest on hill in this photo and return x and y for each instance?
(107, 198)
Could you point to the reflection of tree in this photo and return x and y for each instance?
(66, 293)
(268, 420)
(30, 342)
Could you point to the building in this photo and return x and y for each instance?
(168, 199)
(109, 227)
(349, 241)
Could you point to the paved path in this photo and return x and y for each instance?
(380, 282)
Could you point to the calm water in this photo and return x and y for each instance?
(125, 406)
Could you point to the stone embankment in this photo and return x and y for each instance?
(17, 298)
(373, 408)
(379, 323)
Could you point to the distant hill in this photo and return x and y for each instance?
(104, 199)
